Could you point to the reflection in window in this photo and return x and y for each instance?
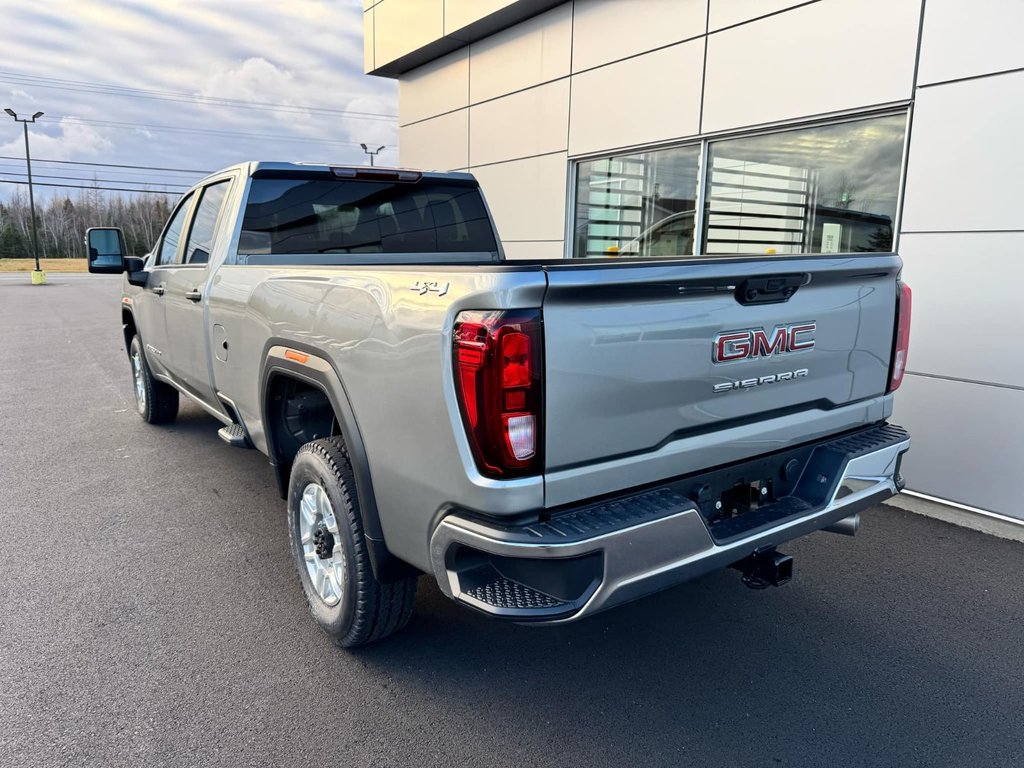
(200, 240)
(823, 189)
(637, 205)
(826, 189)
(322, 214)
(169, 246)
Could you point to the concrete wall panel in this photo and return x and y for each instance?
(828, 56)
(644, 99)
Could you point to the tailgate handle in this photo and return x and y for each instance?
(773, 289)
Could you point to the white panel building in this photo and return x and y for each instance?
(607, 128)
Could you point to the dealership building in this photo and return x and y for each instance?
(613, 128)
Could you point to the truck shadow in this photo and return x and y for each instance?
(876, 654)
(828, 671)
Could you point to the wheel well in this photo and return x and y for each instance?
(128, 322)
(297, 412)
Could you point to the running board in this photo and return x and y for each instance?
(234, 435)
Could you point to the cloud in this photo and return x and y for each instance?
(18, 96)
(304, 53)
(257, 80)
(72, 140)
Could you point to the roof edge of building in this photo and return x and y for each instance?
(486, 26)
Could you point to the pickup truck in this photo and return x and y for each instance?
(545, 439)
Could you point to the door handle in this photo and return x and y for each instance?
(158, 289)
(194, 295)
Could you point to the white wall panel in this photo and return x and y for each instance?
(966, 162)
(530, 53)
(966, 441)
(828, 56)
(964, 283)
(528, 123)
(402, 26)
(608, 30)
(630, 102)
(534, 250)
(725, 13)
(964, 39)
(440, 143)
(527, 197)
(437, 87)
(459, 13)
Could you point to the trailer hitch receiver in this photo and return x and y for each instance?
(766, 567)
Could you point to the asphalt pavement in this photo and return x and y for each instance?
(150, 616)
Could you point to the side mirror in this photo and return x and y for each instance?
(105, 246)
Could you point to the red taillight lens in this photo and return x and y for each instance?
(498, 368)
(902, 341)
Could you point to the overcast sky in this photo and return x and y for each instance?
(301, 58)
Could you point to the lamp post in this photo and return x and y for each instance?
(38, 278)
(372, 153)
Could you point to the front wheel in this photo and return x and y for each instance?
(326, 534)
(156, 401)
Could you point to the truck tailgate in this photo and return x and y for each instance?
(641, 355)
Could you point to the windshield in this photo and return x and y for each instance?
(326, 215)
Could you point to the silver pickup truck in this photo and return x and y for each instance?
(546, 440)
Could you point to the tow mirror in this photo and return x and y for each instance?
(105, 246)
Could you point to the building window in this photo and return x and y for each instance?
(821, 189)
(637, 205)
(826, 189)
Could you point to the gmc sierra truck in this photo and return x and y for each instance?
(545, 439)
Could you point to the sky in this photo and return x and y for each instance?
(186, 84)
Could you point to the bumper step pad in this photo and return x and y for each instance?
(234, 435)
(594, 520)
(505, 594)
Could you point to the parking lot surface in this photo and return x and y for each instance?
(150, 615)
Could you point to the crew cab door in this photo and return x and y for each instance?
(149, 304)
(187, 357)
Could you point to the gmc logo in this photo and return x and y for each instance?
(755, 342)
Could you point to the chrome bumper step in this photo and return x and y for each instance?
(588, 558)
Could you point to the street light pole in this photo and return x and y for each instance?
(31, 195)
(372, 153)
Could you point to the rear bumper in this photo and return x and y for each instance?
(592, 557)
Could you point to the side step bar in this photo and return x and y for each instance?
(235, 436)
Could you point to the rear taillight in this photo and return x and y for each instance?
(498, 364)
(902, 340)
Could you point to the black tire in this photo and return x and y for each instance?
(159, 401)
(368, 610)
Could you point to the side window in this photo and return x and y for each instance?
(169, 246)
(204, 223)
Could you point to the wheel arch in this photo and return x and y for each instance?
(307, 367)
(128, 326)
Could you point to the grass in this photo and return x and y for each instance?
(48, 265)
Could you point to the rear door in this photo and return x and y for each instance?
(641, 355)
(185, 284)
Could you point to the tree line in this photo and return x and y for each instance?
(62, 220)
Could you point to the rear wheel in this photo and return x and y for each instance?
(156, 401)
(326, 534)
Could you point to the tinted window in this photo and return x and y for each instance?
(325, 215)
(637, 205)
(169, 246)
(822, 189)
(200, 239)
(826, 189)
